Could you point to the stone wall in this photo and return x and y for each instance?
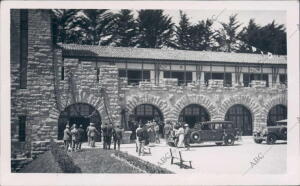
(217, 99)
(46, 94)
(36, 100)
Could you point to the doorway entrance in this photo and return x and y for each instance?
(79, 114)
(241, 118)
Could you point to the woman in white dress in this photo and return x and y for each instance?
(180, 134)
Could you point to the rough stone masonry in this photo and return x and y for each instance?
(47, 94)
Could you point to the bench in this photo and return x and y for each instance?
(180, 159)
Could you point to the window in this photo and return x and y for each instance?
(22, 128)
(23, 48)
(219, 75)
(248, 77)
(62, 73)
(283, 79)
(122, 73)
(98, 74)
(135, 76)
(183, 77)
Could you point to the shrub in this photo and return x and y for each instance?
(144, 165)
(64, 161)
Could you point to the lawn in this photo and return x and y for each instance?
(99, 161)
(44, 163)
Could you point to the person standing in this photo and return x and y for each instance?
(67, 137)
(105, 134)
(140, 140)
(167, 130)
(74, 133)
(117, 136)
(109, 134)
(87, 133)
(92, 133)
(187, 136)
(156, 131)
(180, 135)
(80, 136)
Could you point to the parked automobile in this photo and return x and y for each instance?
(271, 134)
(220, 132)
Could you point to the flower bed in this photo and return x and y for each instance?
(141, 164)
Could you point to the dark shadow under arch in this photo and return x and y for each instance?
(241, 117)
(79, 114)
(194, 113)
(276, 113)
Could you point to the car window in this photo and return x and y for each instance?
(218, 126)
(205, 127)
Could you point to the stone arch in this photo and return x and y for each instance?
(162, 105)
(245, 100)
(81, 97)
(277, 100)
(195, 99)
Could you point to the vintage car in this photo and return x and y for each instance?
(271, 133)
(220, 132)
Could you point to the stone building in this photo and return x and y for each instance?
(55, 84)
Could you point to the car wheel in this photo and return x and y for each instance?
(229, 140)
(219, 143)
(271, 139)
(259, 141)
(195, 137)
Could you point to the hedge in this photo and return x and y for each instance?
(141, 164)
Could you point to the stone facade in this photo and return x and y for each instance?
(55, 82)
(171, 100)
(46, 95)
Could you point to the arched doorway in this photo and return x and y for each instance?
(241, 118)
(276, 113)
(146, 112)
(193, 114)
(79, 114)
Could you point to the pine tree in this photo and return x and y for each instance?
(96, 26)
(183, 32)
(125, 30)
(202, 36)
(155, 29)
(228, 36)
(269, 38)
(251, 37)
(64, 25)
(273, 38)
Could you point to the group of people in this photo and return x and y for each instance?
(74, 137)
(109, 132)
(177, 134)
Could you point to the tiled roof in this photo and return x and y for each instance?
(75, 50)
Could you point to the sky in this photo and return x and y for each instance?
(262, 17)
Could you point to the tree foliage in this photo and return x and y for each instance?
(155, 29)
(125, 29)
(228, 36)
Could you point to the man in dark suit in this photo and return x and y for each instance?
(80, 136)
(117, 136)
(105, 135)
(109, 134)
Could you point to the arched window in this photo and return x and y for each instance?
(79, 114)
(241, 118)
(146, 112)
(278, 112)
(193, 114)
